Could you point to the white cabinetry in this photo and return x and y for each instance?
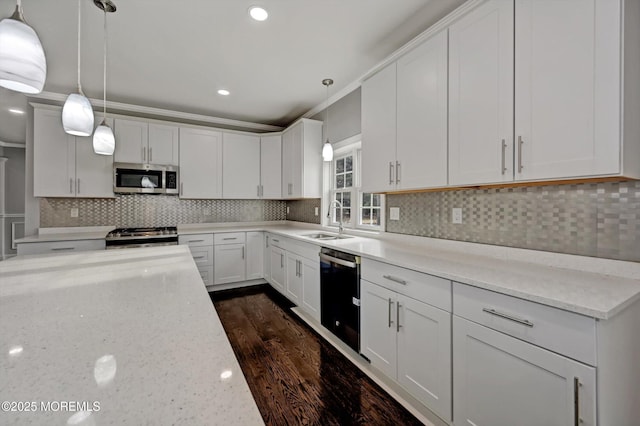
(294, 277)
(277, 266)
(144, 142)
(241, 166)
(302, 160)
(200, 163)
(566, 84)
(65, 165)
(60, 246)
(504, 370)
(201, 246)
(310, 271)
(229, 253)
(406, 331)
(404, 121)
(255, 255)
(271, 167)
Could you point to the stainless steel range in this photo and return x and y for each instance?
(142, 237)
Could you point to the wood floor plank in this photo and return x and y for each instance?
(295, 376)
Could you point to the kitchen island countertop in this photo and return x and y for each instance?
(124, 337)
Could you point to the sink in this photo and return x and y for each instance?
(322, 236)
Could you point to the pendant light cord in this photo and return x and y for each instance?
(79, 50)
(327, 114)
(104, 83)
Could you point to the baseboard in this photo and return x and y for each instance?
(228, 286)
(412, 405)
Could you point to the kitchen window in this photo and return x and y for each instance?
(360, 209)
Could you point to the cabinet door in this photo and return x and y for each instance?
(200, 163)
(94, 173)
(292, 162)
(54, 154)
(422, 115)
(379, 131)
(293, 282)
(502, 381)
(131, 141)
(567, 85)
(424, 354)
(271, 166)
(267, 258)
(241, 166)
(163, 144)
(229, 263)
(254, 255)
(277, 260)
(481, 95)
(310, 271)
(378, 327)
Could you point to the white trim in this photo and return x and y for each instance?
(441, 25)
(178, 115)
(12, 145)
(346, 142)
(11, 215)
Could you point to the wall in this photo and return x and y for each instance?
(344, 117)
(304, 210)
(155, 210)
(601, 220)
(14, 179)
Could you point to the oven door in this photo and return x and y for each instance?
(136, 178)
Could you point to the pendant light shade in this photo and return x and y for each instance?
(327, 149)
(104, 143)
(77, 113)
(23, 66)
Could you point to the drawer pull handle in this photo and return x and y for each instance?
(198, 257)
(195, 241)
(275, 241)
(62, 248)
(395, 279)
(229, 239)
(508, 317)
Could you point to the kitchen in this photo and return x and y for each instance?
(489, 210)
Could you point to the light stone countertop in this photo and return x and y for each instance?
(599, 288)
(133, 330)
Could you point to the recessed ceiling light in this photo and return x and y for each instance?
(16, 111)
(258, 13)
(223, 92)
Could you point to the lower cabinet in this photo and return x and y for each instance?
(310, 271)
(499, 380)
(201, 246)
(277, 262)
(229, 263)
(410, 342)
(266, 256)
(255, 255)
(294, 278)
(60, 246)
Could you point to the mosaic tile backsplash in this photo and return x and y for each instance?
(304, 210)
(155, 210)
(599, 219)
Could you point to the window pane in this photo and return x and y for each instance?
(366, 216)
(348, 180)
(376, 200)
(340, 165)
(339, 181)
(366, 200)
(346, 199)
(346, 215)
(375, 217)
(348, 163)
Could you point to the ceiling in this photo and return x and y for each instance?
(176, 55)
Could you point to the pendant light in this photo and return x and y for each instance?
(23, 66)
(77, 114)
(104, 143)
(327, 149)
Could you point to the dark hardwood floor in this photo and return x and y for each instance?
(295, 376)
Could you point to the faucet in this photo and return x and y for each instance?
(339, 204)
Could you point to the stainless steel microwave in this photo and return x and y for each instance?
(144, 178)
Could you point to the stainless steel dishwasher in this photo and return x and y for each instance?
(340, 295)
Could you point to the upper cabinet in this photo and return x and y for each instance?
(302, 160)
(143, 142)
(404, 121)
(535, 92)
(241, 165)
(65, 165)
(271, 166)
(200, 163)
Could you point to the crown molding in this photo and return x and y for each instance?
(175, 115)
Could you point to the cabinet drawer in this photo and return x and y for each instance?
(310, 251)
(424, 287)
(203, 256)
(197, 240)
(207, 274)
(560, 331)
(278, 241)
(229, 238)
(60, 246)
